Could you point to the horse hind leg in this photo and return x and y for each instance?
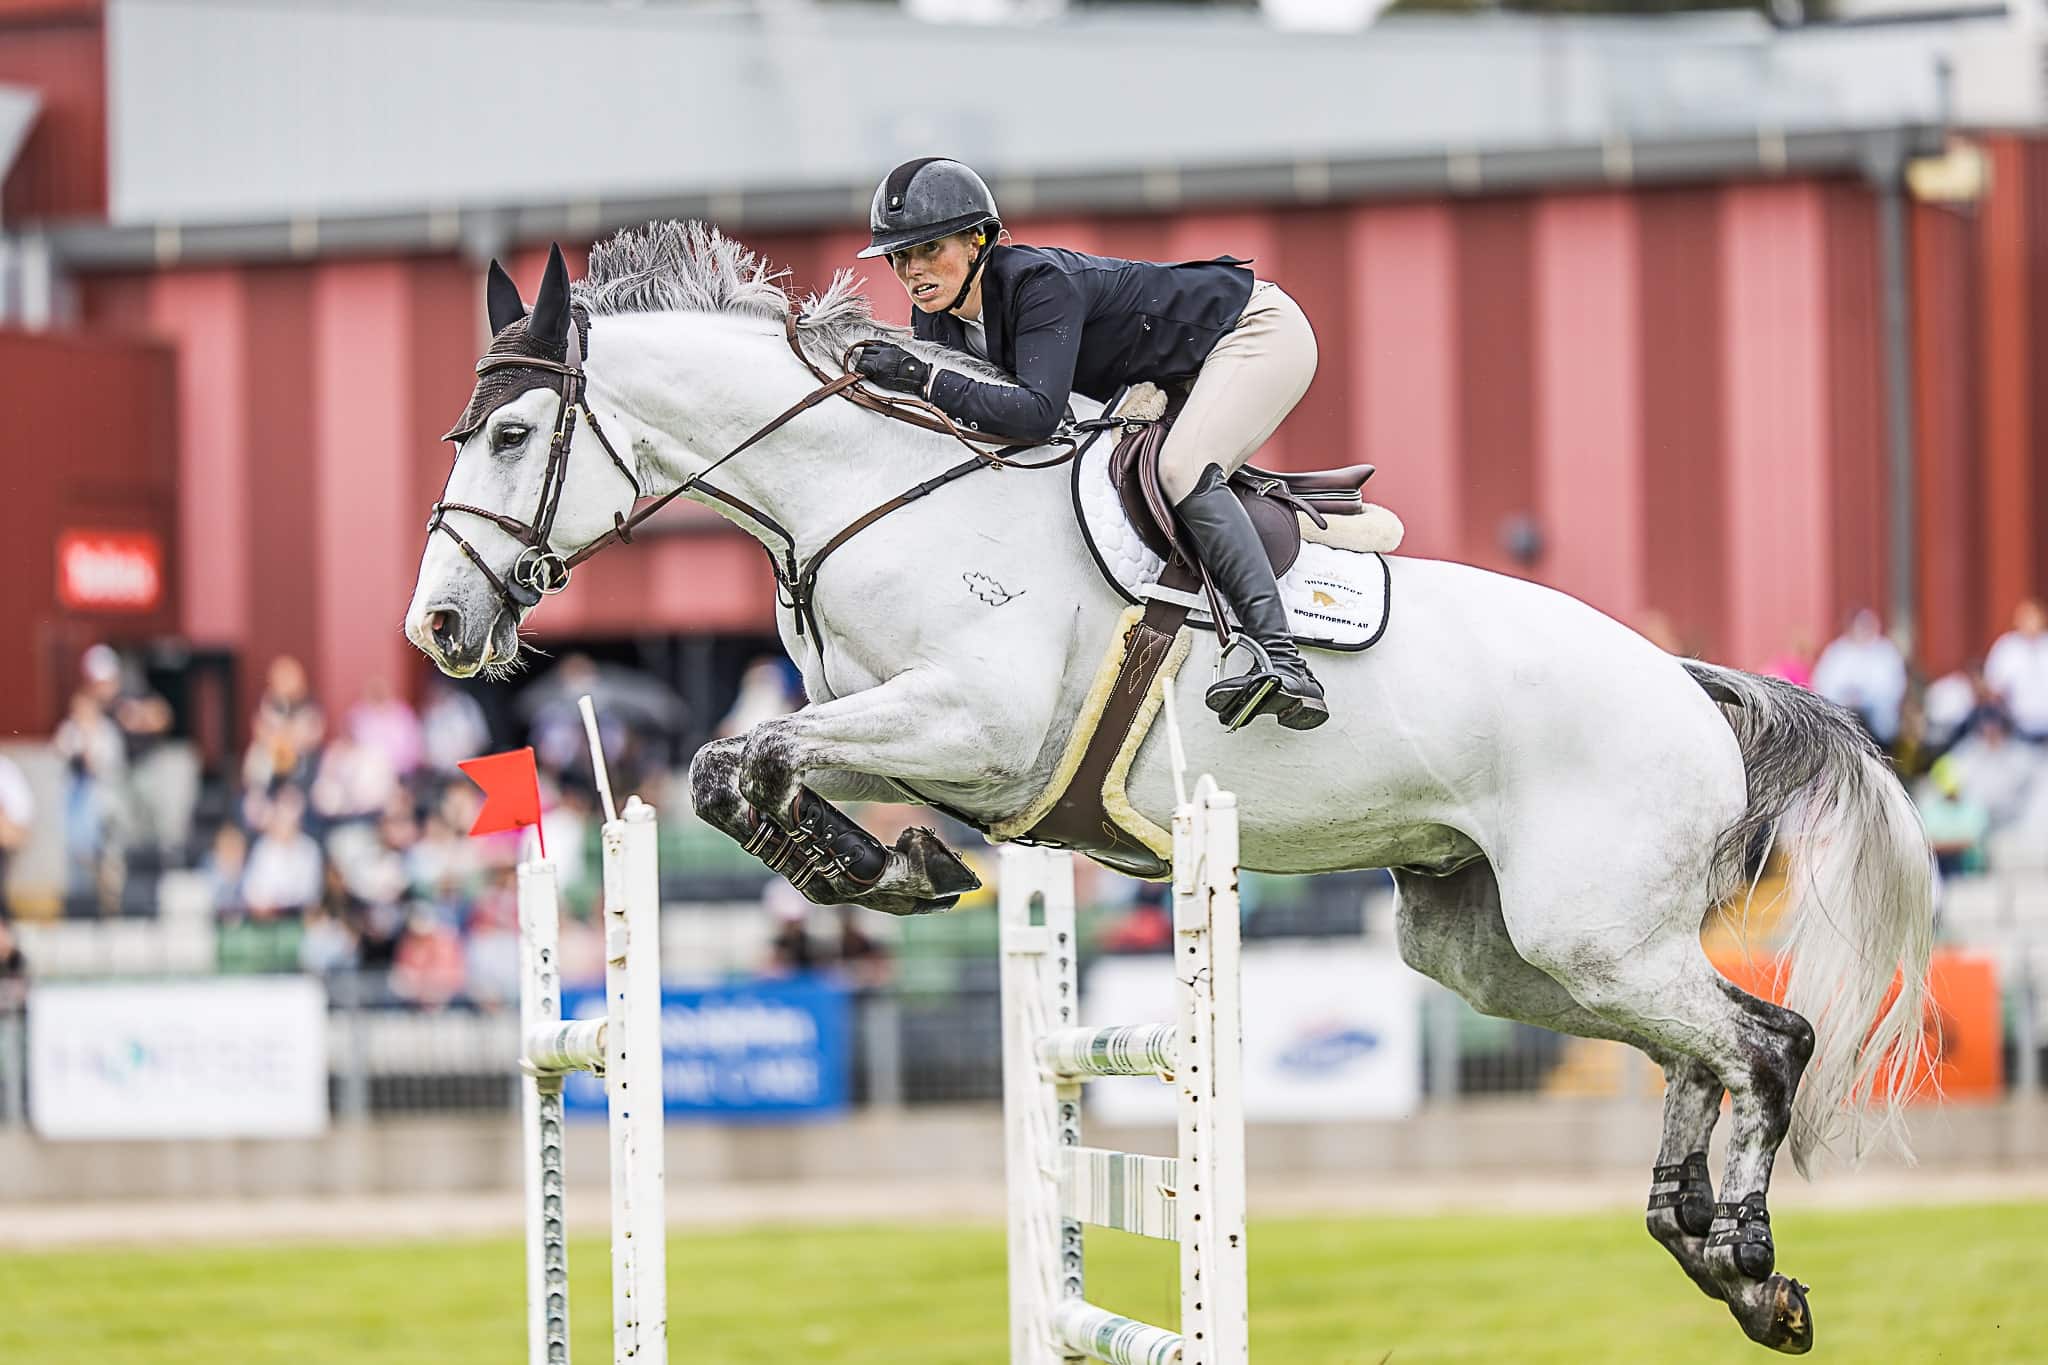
(1451, 930)
(1651, 976)
(1681, 1208)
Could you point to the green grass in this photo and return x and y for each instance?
(1954, 1284)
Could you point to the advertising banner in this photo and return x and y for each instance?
(1961, 1051)
(220, 1058)
(1329, 1033)
(766, 1050)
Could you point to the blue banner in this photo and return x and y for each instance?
(765, 1050)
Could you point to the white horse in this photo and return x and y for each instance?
(1561, 801)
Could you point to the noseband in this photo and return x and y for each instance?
(540, 570)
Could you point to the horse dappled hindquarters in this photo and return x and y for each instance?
(1561, 801)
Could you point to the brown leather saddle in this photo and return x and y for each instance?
(1078, 817)
(1274, 500)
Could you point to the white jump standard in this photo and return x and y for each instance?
(625, 1048)
(1057, 1185)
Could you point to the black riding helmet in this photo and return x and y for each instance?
(924, 200)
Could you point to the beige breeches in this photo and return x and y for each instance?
(1249, 383)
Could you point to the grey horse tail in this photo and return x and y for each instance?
(1859, 913)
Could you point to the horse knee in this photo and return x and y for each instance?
(714, 787)
(767, 769)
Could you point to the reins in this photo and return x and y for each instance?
(539, 571)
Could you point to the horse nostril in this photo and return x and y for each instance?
(445, 626)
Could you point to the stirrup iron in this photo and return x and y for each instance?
(1260, 681)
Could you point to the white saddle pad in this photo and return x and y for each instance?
(1335, 598)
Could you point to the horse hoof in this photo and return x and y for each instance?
(934, 872)
(1777, 1315)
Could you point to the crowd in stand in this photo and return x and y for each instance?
(1973, 743)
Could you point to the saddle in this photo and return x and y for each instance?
(1084, 807)
(1275, 501)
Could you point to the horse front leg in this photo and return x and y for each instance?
(762, 790)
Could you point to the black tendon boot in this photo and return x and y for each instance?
(1279, 682)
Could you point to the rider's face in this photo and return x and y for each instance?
(933, 273)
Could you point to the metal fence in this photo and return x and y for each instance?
(917, 1048)
(932, 1035)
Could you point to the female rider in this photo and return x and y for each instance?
(1065, 322)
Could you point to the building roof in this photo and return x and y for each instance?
(255, 127)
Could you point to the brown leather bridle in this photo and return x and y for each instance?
(540, 570)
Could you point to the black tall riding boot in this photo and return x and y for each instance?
(1279, 682)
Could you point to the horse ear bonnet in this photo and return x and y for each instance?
(550, 320)
(502, 302)
(543, 334)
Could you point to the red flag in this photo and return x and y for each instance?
(511, 786)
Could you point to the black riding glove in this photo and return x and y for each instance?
(893, 367)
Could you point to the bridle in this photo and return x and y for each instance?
(541, 570)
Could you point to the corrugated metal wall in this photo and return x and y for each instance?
(1680, 389)
(86, 449)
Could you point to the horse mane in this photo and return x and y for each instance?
(690, 266)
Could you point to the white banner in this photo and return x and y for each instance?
(1329, 1033)
(230, 1057)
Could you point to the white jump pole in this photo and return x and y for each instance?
(632, 1064)
(1056, 1185)
(1041, 1117)
(625, 1048)
(540, 1010)
(1215, 1302)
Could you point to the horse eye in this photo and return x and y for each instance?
(510, 437)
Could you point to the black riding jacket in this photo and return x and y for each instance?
(1066, 322)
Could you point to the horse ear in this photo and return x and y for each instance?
(501, 299)
(550, 322)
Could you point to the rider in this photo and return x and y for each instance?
(1062, 322)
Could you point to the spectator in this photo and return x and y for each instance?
(453, 727)
(285, 737)
(426, 970)
(160, 783)
(224, 868)
(13, 969)
(388, 725)
(1995, 771)
(354, 782)
(790, 950)
(1865, 672)
(17, 818)
(95, 824)
(863, 959)
(328, 944)
(566, 826)
(1956, 825)
(1951, 701)
(491, 942)
(2016, 670)
(768, 689)
(285, 872)
(441, 865)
